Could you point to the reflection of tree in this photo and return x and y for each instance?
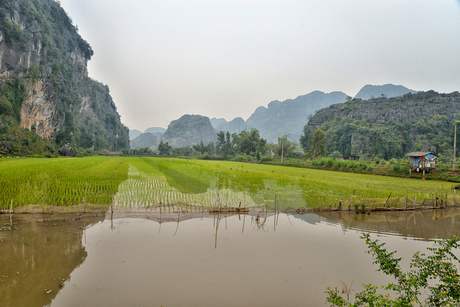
(40, 255)
(419, 224)
(146, 191)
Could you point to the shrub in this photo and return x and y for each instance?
(336, 155)
(439, 265)
(317, 163)
(266, 159)
(329, 162)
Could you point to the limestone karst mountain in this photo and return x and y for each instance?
(387, 90)
(190, 130)
(44, 83)
(389, 127)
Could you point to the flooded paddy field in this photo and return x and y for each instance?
(153, 258)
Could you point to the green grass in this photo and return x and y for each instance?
(60, 182)
(148, 182)
(296, 187)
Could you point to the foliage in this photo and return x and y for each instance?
(224, 143)
(12, 94)
(98, 128)
(438, 266)
(11, 31)
(138, 152)
(336, 154)
(164, 149)
(202, 148)
(317, 147)
(285, 147)
(249, 142)
(365, 128)
(23, 141)
(304, 140)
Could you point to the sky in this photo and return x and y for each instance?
(165, 58)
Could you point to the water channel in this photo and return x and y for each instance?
(198, 259)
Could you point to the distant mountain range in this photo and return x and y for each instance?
(279, 118)
(135, 133)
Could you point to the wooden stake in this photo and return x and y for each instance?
(386, 201)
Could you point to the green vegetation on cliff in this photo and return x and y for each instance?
(388, 127)
(48, 90)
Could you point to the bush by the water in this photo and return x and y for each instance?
(440, 265)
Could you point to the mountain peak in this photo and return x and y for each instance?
(388, 90)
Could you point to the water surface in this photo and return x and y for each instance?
(148, 259)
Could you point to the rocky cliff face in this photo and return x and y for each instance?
(409, 108)
(190, 130)
(42, 50)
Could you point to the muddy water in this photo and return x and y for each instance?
(151, 260)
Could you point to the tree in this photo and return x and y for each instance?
(224, 143)
(201, 148)
(248, 142)
(305, 138)
(164, 149)
(285, 147)
(317, 146)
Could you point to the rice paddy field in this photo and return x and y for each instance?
(171, 184)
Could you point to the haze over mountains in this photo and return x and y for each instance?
(279, 118)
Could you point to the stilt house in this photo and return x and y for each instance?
(421, 161)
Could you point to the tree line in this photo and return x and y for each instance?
(247, 143)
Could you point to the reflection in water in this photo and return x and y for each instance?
(37, 256)
(184, 181)
(197, 259)
(143, 190)
(422, 225)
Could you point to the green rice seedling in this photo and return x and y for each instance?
(145, 182)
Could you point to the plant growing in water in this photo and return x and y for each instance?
(438, 267)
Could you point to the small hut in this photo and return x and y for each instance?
(421, 161)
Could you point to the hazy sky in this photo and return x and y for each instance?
(165, 58)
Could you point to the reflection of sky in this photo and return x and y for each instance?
(136, 263)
